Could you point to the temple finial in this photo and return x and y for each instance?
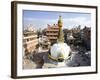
(60, 21)
(60, 34)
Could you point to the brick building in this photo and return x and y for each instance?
(52, 32)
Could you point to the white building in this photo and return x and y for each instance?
(30, 40)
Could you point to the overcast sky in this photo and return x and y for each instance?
(40, 19)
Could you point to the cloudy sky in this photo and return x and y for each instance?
(40, 19)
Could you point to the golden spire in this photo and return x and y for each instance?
(60, 22)
(60, 34)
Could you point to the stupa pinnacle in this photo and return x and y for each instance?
(60, 34)
(60, 50)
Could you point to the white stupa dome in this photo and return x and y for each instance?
(60, 49)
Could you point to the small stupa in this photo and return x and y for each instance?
(60, 50)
